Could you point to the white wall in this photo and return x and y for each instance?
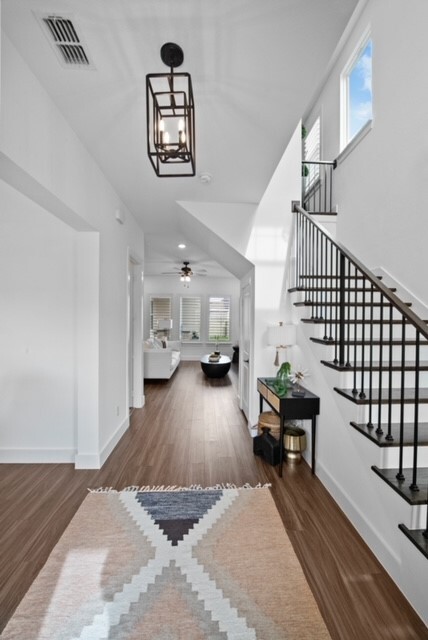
(43, 158)
(37, 331)
(381, 187)
(268, 249)
(199, 286)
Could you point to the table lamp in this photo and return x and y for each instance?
(281, 336)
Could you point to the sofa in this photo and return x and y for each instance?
(161, 358)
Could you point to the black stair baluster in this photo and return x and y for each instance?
(400, 474)
(318, 283)
(348, 317)
(306, 247)
(354, 364)
(336, 312)
(362, 394)
(414, 484)
(379, 429)
(326, 289)
(324, 182)
(342, 306)
(297, 251)
(425, 533)
(370, 421)
(333, 327)
(319, 278)
(389, 435)
(312, 269)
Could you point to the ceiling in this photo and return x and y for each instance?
(255, 65)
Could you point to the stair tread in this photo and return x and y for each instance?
(402, 486)
(335, 277)
(379, 439)
(359, 321)
(383, 397)
(337, 289)
(309, 303)
(416, 536)
(322, 213)
(409, 365)
(375, 343)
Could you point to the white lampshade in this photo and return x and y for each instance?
(165, 324)
(282, 335)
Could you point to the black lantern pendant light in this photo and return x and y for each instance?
(171, 118)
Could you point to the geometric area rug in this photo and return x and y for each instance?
(182, 564)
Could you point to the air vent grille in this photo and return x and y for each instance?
(66, 41)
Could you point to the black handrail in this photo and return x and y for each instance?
(371, 277)
(359, 313)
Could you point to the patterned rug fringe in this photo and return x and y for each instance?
(193, 487)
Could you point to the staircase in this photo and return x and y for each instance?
(378, 347)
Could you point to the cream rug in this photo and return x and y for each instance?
(186, 564)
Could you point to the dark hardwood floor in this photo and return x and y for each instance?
(191, 431)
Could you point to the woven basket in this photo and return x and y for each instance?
(271, 420)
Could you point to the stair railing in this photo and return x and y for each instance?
(360, 315)
(317, 185)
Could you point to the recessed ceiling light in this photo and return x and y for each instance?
(181, 246)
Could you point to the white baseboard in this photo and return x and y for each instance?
(87, 461)
(108, 448)
(384, 552)
(37, 456)
(94, 461)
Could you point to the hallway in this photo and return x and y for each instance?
(191, 431)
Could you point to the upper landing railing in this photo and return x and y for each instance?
(317, 185)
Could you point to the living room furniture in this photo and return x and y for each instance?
(215, 369)
(235, 358)
(290, 407)
(159, 362)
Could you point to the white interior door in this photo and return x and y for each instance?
(130, 333)
(245, 348)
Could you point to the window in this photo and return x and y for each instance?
(356, 92)
(311, 151)
(219, 319)
(190, 319)
(160, 309)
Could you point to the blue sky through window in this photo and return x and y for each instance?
(360, 92)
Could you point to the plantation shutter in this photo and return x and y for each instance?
(160, 310)
(190, 318)
(219, 319)
(312, 151)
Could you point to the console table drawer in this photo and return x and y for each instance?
(273, 400)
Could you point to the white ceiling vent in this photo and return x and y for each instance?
(63, 35)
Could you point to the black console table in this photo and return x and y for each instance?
(289, 407)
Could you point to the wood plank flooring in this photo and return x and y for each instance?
(191, 431)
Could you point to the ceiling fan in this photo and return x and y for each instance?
(185, 272)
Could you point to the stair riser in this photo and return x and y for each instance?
(390, 457)
(320, 330)
(363, 413)
(418, 517)
(328, 352)
(347, 379)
